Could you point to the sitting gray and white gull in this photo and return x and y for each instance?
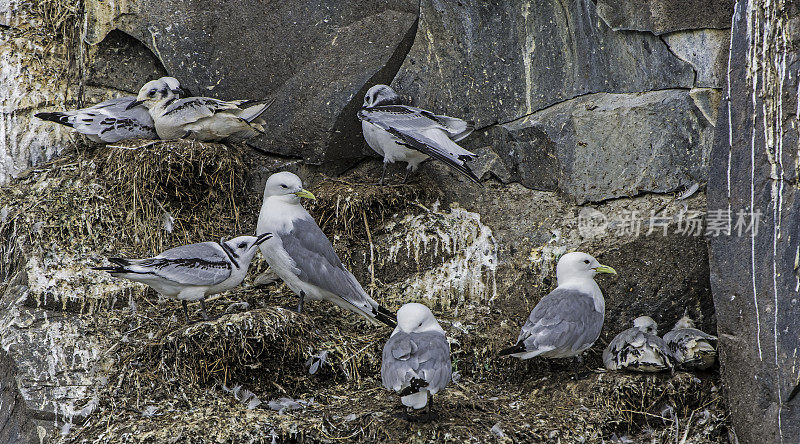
(113, 120)
(192, 272)
(691, 348)
(408, 134)
(200, 118)
(416, 358)
(569, 319)
(303, 257)
(638, 349)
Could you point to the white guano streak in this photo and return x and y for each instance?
(753, 73)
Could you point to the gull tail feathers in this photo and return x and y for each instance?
(256, 109)
(456, 128)
(466, 132)
(415, 386)
(57, 117)
(120, 265)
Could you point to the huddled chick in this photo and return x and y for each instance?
(639, 349)
(693, 349)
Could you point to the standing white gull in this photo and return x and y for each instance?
(408, 134)
(638, 349)
(691, 348)
(113, 120)
(416, 358)
(200, 118)
(192, 272)
(303, 257)
(569, 319)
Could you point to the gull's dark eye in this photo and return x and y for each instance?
(284, 186)
(243, 244)
(586, 261)
(151, 93)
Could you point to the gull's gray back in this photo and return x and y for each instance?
(426, 355)
(319, 264)
(202, 264)
(110, 121)
(564, 320)
(194, 108)
(409, 118)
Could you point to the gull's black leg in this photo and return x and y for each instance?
(302, 301)
(383, 174)
(408, 174)
(185, 311)
(203, 309)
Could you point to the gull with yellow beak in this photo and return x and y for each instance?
(569, 319)
(303, 257)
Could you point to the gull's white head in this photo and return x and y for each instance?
(154, 92)
(579, 266)
(380, 95)
(684, 322)
(240, 250)
(287, 187)
(646, 324)
(416, 318)
(175, 86)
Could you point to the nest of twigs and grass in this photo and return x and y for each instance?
(258, 370)
(133, 202)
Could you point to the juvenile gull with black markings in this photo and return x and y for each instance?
(408, 134)
(303, 257)
(113, 120)
(200, 118)
(192, 272)
(638, 349)
(691, 348)
(569, 319)
(416, 358)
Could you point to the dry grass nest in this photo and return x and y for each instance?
(354, 208)
(171, 380)
(167, 381)
(108, 201)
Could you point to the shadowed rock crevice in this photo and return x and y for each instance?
(15, 421)
(347, 143)
(122, 62)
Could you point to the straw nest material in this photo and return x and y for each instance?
(250, 375)
(123, 201)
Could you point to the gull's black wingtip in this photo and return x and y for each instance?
(56, 117)
(518, 348)
(386, 316)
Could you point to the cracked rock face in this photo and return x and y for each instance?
(662, 16)
(754, 275)
(573, 116)
(495, 63)
(315, 60)
(613, 145)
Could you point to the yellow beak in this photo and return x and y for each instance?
(605, 269)
(305, 193)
